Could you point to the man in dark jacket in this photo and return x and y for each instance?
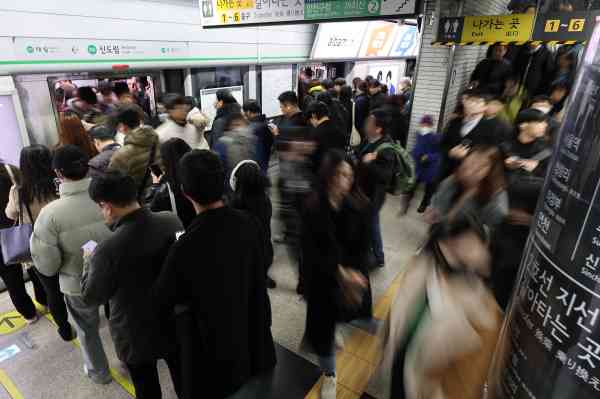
(104, 141)
(216, 269)
(535, 66)
(361, 104)
(326, 135)
(375, 174)
(122, 270)
(491, 73)
(464, 133)
(376, 95)
(260, 128)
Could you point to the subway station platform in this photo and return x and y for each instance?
(36, 364)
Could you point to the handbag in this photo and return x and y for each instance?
(14, 241)
(355, 138)
(351, 285)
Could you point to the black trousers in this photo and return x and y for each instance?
(56, 303)
(144, 377)
(12, 275)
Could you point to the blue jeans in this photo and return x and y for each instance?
(377, 240)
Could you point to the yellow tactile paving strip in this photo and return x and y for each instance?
(361, 354)
(9, 386)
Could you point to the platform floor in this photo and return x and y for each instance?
(36, 364)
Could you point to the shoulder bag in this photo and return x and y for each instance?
(14, 241)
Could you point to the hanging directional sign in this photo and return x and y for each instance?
(498, 28)
(226, 13)
(564, 26)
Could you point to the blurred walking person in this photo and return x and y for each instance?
(335, 243)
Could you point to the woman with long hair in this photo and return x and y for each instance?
(335, 243)
(169, 196)
(249, 186)
(478, 186)
(35, 189)
(72, 132)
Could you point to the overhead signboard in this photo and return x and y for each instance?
(60, 49)
(225, 13)
(339, 40)
(407, 42)
(365, 40)
(564, 26)
(497, 28)
(378, 39)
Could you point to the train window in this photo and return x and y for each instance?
(216, 77)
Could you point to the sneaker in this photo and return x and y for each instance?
(271, 283)
(97, 379)
(33, 320)
(328, 389)
(339, 340)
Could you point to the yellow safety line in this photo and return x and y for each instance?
(119, 378)
(348, 358)
(10, 387)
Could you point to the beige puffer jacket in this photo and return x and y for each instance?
(132, 158)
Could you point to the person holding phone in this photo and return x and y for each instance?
(466, 132)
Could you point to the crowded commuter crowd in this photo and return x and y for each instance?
(124, 214)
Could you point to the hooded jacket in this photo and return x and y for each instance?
(133, 157)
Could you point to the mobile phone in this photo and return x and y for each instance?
(466, 143)
(272, 126)
(89, 246)
(156, 170)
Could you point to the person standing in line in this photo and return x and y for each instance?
(361, 103)
(61, 230)
(121, 270)
(36, 188)
(228, 337)
(249, 186)
(177, 125)
(375, 175)
(335, 241)
(12, 275)
(491, 73)
(398, 121)
(260, 128)
(140, 145)
(104, 141)
(376, 95)
(168, 196)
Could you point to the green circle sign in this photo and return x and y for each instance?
(30, 49)
(92, 49)
(373, 7)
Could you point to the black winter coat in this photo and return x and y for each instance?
(328, 137)
(122, 271)
(377, 101)
(397, 127)
(361, 113)
(486, 132)
(540, 72)
(162, 202)
(491, 75)
(221, 118)
(375, 177)
(217, 270)
(331, 238)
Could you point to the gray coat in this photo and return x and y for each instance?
(61, 229)
(122, 271)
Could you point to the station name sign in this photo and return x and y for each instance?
(227, 13)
